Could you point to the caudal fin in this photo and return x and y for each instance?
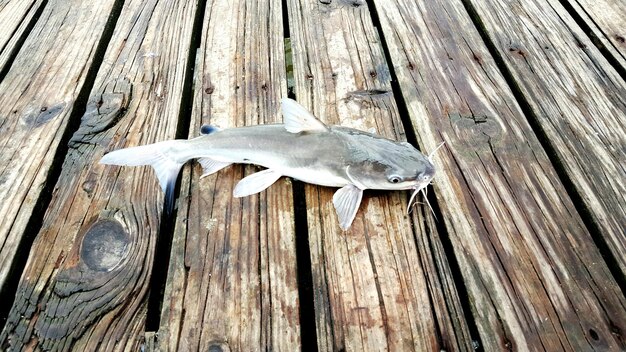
(155, 155)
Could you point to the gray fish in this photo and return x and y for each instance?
(303, 148)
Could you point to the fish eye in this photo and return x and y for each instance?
(395, 179)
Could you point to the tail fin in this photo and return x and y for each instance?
(155, 155)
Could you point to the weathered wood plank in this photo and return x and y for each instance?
(232, 282)
(15, 17)
(535, 279)
(579, 100)
(607, 20)
(373, 292)
(36, 98)
(86, 281)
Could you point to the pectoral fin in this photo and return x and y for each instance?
(210, 166)
(256, 182)
(347, 200)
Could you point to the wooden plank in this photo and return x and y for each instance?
(607, 21)
(579, 101)
(534, 277)
(373, 291)
(15, 16)
(36, 100)
(232, 282)
(86, 281)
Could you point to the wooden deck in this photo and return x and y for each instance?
(528, 248)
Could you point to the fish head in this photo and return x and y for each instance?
(399, 166)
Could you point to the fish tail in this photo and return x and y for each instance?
(157, 155)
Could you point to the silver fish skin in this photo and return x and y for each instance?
(302, 147)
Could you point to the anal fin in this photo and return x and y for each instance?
(256, 182)
(210, 166)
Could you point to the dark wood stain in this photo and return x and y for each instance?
(44, 115)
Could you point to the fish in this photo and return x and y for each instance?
(303, 148)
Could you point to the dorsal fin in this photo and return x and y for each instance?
(297, 119)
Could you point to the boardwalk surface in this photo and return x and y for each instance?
(526, 246)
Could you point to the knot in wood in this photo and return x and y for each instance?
(218, 346)
(103, 112)
(89, 185)
(104, 246)
(355, 3)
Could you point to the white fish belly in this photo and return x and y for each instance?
(319, 177)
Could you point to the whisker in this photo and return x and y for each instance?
(430, 156)
(424, 188)
(408, 207)
(424, 193)
(411, 203)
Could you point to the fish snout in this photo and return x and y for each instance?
(427, 174)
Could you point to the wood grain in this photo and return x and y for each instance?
(35, 104)
(579, 101)
(534, 276)
(373, 292)
(15, 16)
(607, 21)
(86, 281)
(232, 282)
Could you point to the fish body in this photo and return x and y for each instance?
(302, 147)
